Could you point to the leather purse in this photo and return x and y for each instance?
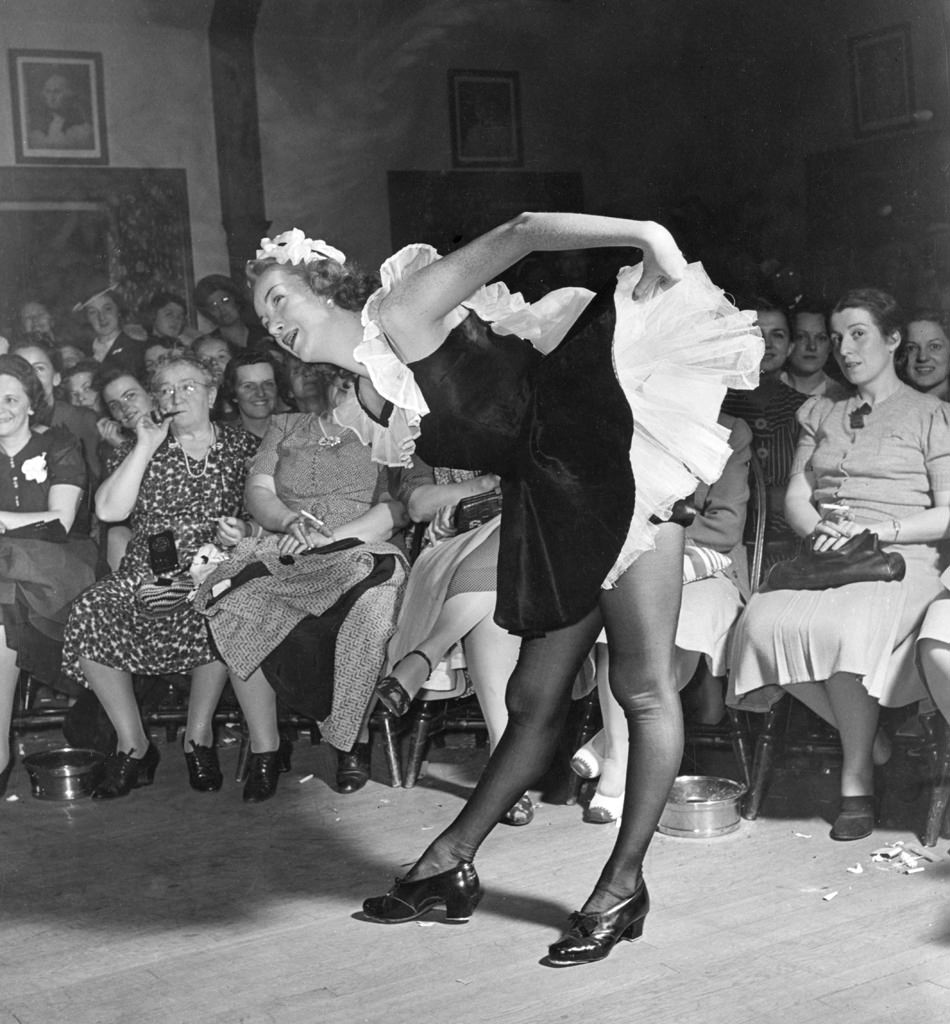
(477, 510)
(859, 560)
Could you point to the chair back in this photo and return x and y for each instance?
(755, 521)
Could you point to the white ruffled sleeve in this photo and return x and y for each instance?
(543, 323)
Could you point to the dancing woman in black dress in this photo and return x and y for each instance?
(545, 396)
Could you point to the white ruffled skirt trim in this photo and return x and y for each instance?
(675, 354)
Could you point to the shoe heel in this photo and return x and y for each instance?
(633, 931)
(459, 907)
(284, 751)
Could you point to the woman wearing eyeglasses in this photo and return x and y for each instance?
(184, 476)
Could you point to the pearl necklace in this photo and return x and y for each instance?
(328, 440)
(204, 462)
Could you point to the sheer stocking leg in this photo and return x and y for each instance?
(640, 615)
(537, 698)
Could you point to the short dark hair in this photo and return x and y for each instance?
(83, 366)
(932, 316)
(763, 304)
(16, 366)
(149, 309)
(883, 307)
(250, 357)
(110, 374)
(34, 341)
(207, 286)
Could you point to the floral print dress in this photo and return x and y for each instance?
(106, 625)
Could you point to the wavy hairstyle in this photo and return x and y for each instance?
(345, 283)
(16, 366)
(883, 308)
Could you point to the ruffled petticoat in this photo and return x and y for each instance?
(675, 353)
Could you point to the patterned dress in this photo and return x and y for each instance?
(317, 623)
(106, 625)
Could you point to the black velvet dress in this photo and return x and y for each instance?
(557, 430)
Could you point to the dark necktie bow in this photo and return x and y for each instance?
(857, 417)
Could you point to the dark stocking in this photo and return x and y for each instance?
(538, 697)
(640, 615)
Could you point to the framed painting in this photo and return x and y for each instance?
(882, 85)
(58, 107)
(485, 117)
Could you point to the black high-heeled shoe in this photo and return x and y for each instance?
(5, 776)
(458, 890)
(204, 769)
(592, 936)
(121, 773)
(264, 770)
(391, 693)
(352, 768)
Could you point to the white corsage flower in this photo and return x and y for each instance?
(35, 469)
(294, 247)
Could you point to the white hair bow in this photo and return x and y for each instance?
(294, 247)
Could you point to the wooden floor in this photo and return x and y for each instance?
(174, 906)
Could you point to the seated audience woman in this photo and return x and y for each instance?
(769, 410)
(926, 353)
(46, 556)
(251, 385)
(811, 346)
(877, 461)
(326, 567)
(80, 385)
(450, 599)
(175, 484)
(104, 312)
(715, 587)
(222, 302)
(165, 317)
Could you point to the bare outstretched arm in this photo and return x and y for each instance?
(412, 313)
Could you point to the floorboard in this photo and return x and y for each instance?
(174, 906)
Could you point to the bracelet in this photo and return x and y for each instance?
(896, 523)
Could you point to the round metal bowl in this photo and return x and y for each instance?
(65, 774)
(701, 806)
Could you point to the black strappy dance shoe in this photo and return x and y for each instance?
(458, 890)
(392, 694)
(591, 937)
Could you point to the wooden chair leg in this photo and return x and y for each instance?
(739, 737)
(383, 726)
(424, 725)
(244, 754)
(937, 752)
(587, 724)
(763, 761)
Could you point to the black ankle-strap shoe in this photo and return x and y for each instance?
(458, 890)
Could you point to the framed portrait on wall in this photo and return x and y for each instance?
(58, 107)
(485, 118)
(882, 84)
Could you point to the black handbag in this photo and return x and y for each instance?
(476, 510)
(859, 560)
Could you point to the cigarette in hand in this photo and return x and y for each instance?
(313, 519)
